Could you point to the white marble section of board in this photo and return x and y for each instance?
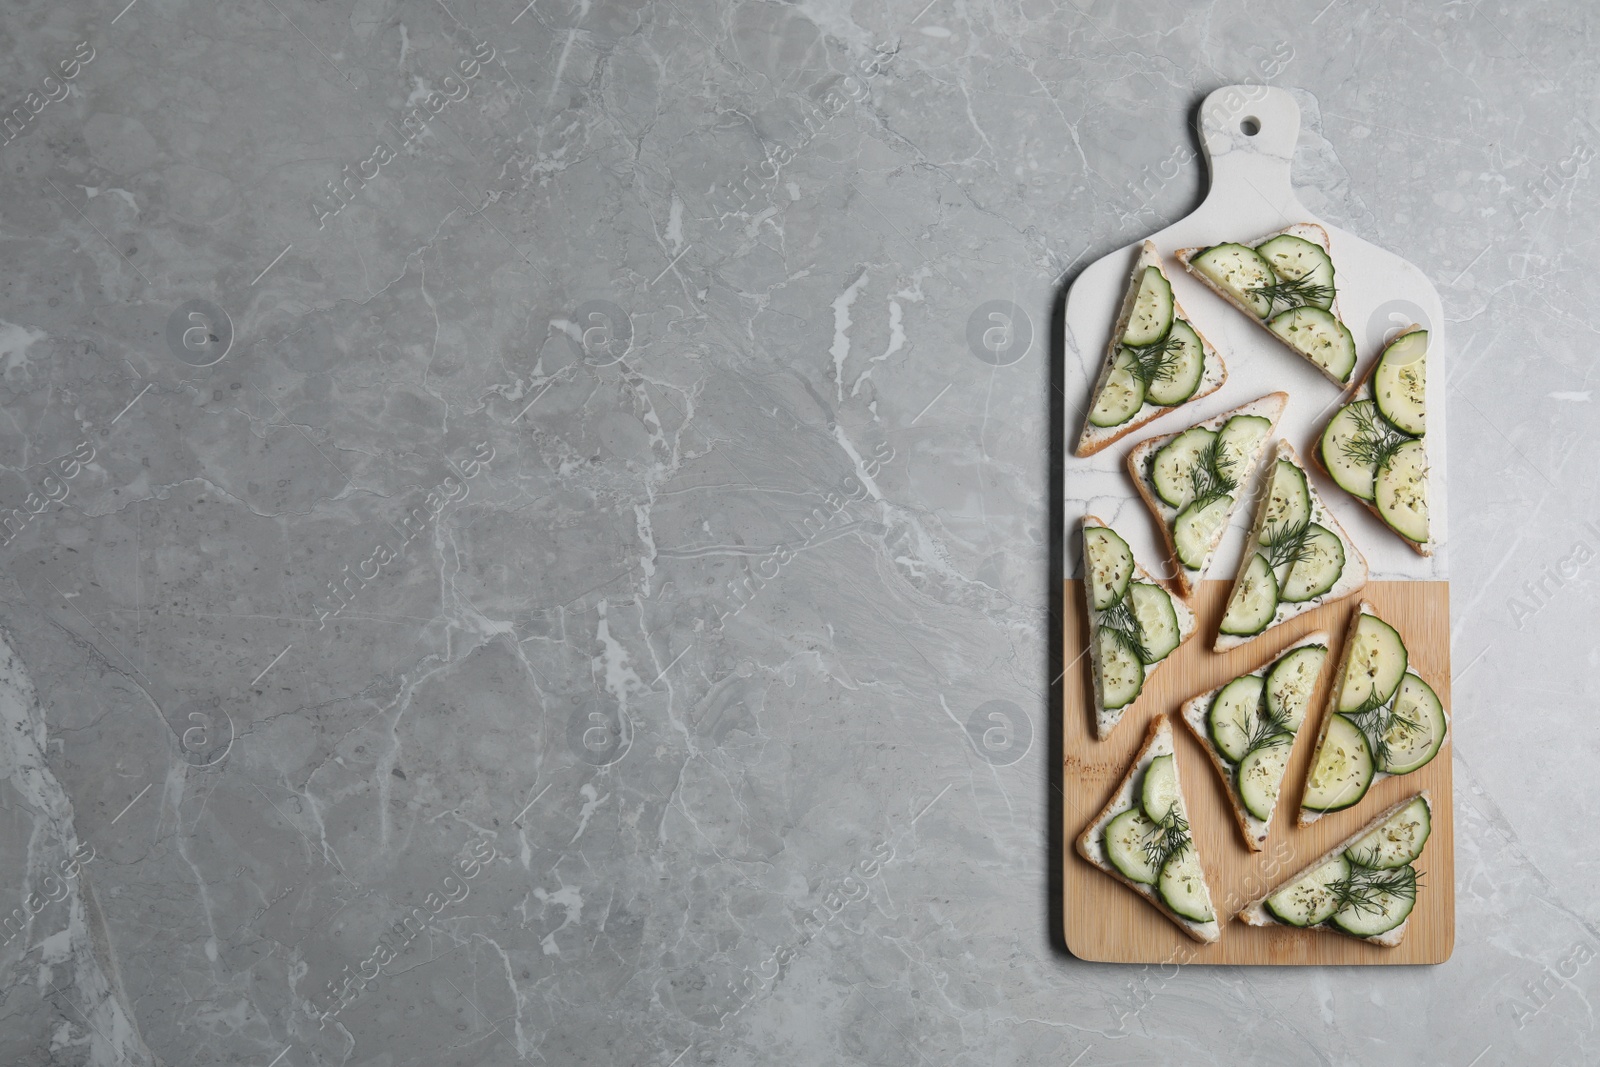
(1379, 294)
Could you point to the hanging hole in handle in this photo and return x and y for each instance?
(1250, 126)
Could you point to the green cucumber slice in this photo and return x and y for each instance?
(1188, 368)
(1254, 601)
(1375, 664)
(1379, 914)
(1342, 770)
(1109, 562)
(1295, 258)
(1401, 492)
(1170, 466)
(1398, 841)
(1241, 436)
(1121, 672)
(1196, 529)
(1125, 839)
(1409, 748)
(1353, 476)
(1233, 716)
(1318, 569)
(1317, 335)
(1293, 680)
(1159, 793)
(1183, 886)
(1288, 500)
(1239, 271)
(1158, 619)
(1152, 310)
(1310, 900)
(1122, 395)
(1399, 385)
(1260, 776)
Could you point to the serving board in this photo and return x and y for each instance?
(1248, 134)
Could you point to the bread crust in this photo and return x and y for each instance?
(1160, 730)
(1423, 549)
(1159, 508)
(1090, 439)
(1312, 232)
(1255, 912)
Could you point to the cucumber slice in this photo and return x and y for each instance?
(1159, 792)
(1121, 673)
(1398, 841)
(1353, 476)
(1183, 886)
(1241, 436)
(1189, 366)
(1399, 385)
(1317, 335)
(1292, 681)
(1125, 838)
(1254, 601)
(1109, 561)
(1376, 663)
(1233, 716)
(1170, 466)
(1238, 271)
(1413, 748)
(1342, 770)
(1260, 776)
(1310, 900)
(1377, 915)
(1401, 492)
(1158, 620)
(1122, 395)
(1294, 258)
(1288, 500)
(1195, 530)
(1319, 567)
(1152, 310)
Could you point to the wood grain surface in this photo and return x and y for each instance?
(1104, 921)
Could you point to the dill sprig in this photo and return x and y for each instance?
(1120, 622)
(1211, 477)
(1155, 362)
(1375, 440)
(1170, 837)
(1363, 888)
(1376, 717)
(1287, 544)
(1294, 292)
(1271, 728)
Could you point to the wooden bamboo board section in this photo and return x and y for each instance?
(1106, 922)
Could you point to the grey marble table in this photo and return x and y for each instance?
(517, 522)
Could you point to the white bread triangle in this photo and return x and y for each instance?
(1091, 843)
(1094, 438)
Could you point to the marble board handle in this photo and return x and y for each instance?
(1248, 133)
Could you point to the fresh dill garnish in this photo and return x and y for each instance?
(1155, 362)
(1362, 890)
(1271, 728)
(1375, 440)
(1296, 292)
(1287, 544)
(1211, 477)
(1169, 837)
(1376, 718)
(1120, 622)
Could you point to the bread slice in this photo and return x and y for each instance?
(1094, 438)
(1106, 719)
(1340, 468)
(1092, 846)
(1362, 675)
(1256, 914)
(1352, 575)
(1269, 407)
(1309, 231)
(1295, 698)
